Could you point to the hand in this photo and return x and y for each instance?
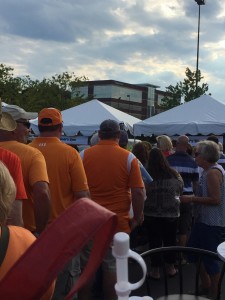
(134, 222)
(186, 198)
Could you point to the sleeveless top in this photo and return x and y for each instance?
(213, 215)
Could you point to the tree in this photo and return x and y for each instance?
(186, 89)
(33, 95)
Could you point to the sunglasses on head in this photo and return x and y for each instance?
(25, 123)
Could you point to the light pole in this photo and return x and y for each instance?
(199, 2)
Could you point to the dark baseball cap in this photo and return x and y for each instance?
(110, 126)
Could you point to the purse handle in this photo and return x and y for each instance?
(35, 271)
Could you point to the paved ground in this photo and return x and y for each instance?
(157, 287)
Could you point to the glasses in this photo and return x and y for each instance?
(197, 154)
(25, 123)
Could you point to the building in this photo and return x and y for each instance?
(159, 96)
(137, 100)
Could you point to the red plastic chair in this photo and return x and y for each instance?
(33, 273)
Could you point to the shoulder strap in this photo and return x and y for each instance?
(4, 241)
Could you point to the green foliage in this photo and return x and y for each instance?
(186, 89)
(33, 95)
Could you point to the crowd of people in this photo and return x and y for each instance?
(172, 191)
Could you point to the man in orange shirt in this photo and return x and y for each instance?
(67, 177)
(36, 209)
(13, 164)
(115, 182)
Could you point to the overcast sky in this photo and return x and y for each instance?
(134, 41)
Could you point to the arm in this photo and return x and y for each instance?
(81, 194)
(15, 218)
(181, 183)
(214, 180)
(138, 196)
(42, 206)
(145, 175)
(195, 186)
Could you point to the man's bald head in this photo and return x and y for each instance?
(182, 143)
(183, 139)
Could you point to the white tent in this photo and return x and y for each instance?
(86, 118)
(203, 115)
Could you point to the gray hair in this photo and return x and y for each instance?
(94, 139)
(209, 151)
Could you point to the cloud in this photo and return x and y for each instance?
(126, 40)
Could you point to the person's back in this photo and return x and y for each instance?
(37, 208)
(34, 170)
(64, 171)
(106, 167)
(115, 181)
(185, 164)
(67, 178)
(12, 161)
(162, 209)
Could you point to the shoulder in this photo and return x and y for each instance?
(215, 169)
(8, 155)
(32, 151)
(22, 234)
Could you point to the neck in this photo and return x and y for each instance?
(56, 133)
(6, 136)
(208, 165)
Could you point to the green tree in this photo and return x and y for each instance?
(186, 89)
(34, 95)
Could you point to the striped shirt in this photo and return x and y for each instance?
(184, 164)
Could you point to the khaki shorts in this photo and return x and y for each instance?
(108, 263)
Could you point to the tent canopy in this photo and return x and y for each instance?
(86, 118)
(203, 115)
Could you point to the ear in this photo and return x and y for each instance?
(61, 129)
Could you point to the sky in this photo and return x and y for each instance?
(133, 41)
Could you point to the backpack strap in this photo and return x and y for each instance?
(4, 241)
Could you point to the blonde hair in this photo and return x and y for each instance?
(7, 192)
(164, 143)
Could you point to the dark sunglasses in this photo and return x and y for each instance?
(197, 154)
(26, 124)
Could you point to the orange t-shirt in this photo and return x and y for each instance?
(34, 170)
(12, 162)
(110, 178)
(20, 240)
(65, 170)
